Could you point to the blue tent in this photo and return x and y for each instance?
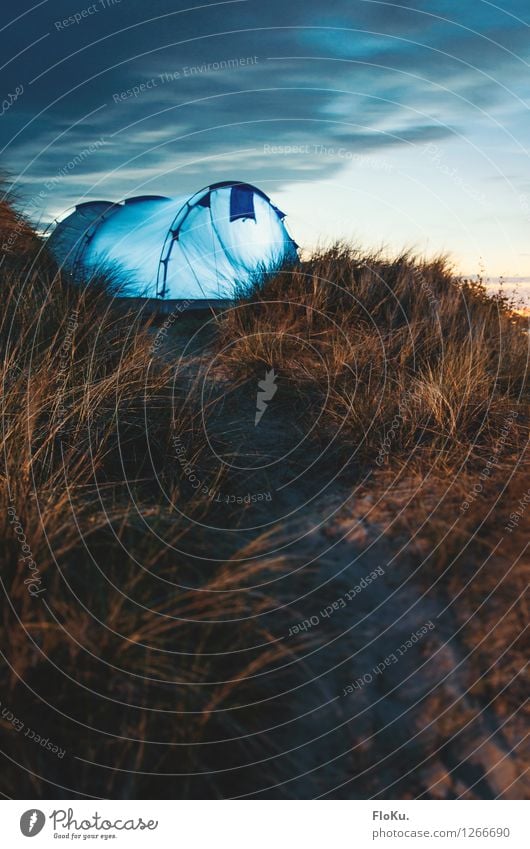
(203, 247)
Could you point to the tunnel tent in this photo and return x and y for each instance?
(209, 246)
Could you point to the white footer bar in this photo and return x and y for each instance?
(265, 824)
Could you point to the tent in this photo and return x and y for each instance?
(205, 247)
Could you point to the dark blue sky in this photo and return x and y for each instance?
(390, 122)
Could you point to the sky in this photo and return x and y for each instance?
(396, 125)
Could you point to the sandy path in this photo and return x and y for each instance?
(389, 711)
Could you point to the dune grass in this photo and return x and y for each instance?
(133, 634)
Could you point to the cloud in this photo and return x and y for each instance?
(365, 75)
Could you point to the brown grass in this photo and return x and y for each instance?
(151, 627)
(401, 337)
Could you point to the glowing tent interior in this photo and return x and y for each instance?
(204, 247)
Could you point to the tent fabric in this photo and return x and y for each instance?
(75, 230)
(209, 246)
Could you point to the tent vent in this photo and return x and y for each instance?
(242, 203)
